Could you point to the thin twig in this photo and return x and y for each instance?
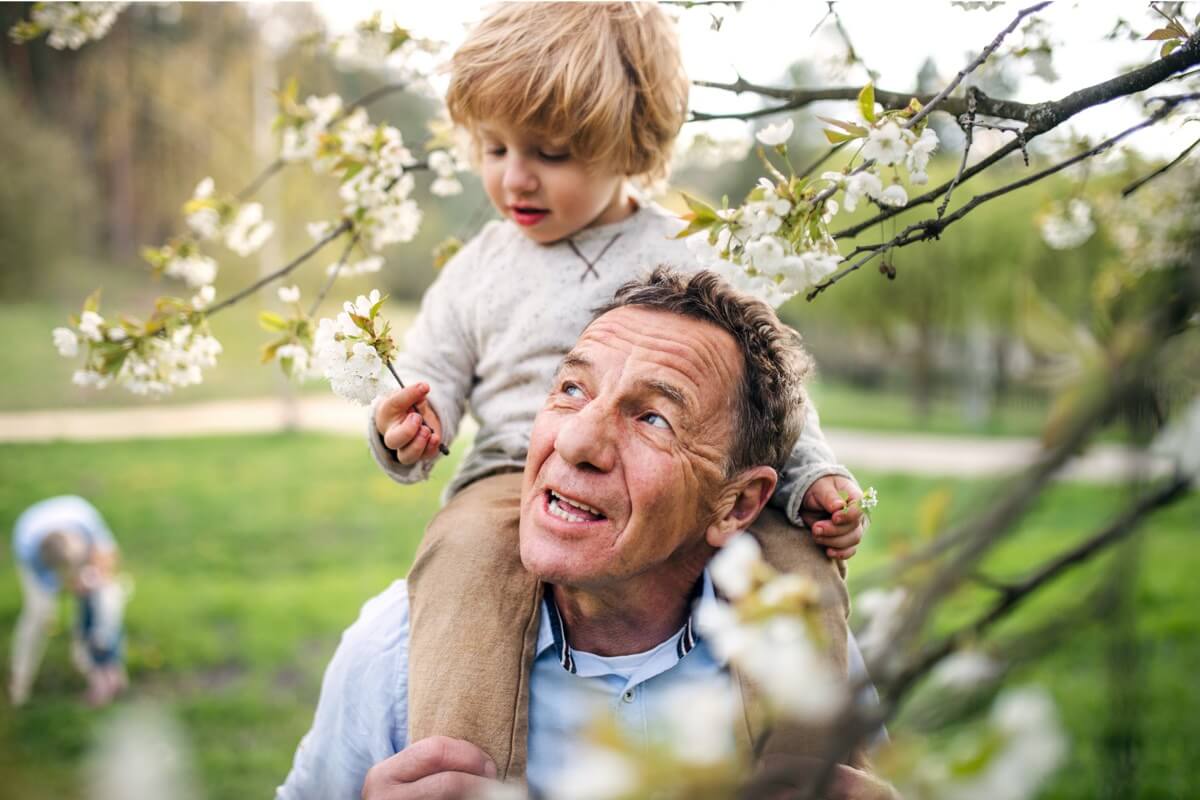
(279, 273)
(979, 59)
(1133, 187)
(441, 445)
(702, 116)
(334, 271)
(851, 54)
(830, 153)
(968, 126)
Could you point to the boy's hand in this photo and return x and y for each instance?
(835, 525)
(401, 427)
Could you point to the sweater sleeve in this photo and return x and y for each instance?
(811, 458)
(439, 349)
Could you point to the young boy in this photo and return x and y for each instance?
(63, 542)
(565, 103)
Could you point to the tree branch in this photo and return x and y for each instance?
(932, 228)
(279, 273)
(979, 59)
(1012, 597)
(333, 272)
(1133, 187)
(1044, 117)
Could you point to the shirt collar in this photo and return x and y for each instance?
(552, 632)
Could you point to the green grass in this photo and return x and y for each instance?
(252, 554)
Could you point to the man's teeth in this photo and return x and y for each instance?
(559, 507)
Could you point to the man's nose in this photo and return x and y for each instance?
(519, 177)
(585, 439)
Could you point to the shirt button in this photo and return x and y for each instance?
(628, 696)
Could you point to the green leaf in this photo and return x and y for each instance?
(363, 323)
(378, 305)
(269, 349)
(1169, 47)
(837, 138)
(694, 226)
(701, 210)
(866, 102)
(92, 303)
(270, 321)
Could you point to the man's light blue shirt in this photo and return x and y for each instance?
(362, 715)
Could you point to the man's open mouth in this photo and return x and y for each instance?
(571, 510)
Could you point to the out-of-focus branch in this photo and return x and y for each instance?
(1140, 182)
(967, 121)
(974, 65)
(1014, 595)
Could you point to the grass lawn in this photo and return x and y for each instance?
(249, 563)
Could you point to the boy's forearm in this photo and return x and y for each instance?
(811, 458)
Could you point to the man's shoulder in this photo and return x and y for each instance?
(382, 624)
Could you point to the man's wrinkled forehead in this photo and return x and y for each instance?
(678, 347)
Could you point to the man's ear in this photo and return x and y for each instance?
(741, 503)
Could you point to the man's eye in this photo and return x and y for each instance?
(572, 390)
(657, 420)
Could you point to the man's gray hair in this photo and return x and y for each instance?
(770, 403)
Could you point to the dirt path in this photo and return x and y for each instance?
(919, 454)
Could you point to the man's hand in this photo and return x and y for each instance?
(401, 426)
(835, 525)
(437, 767)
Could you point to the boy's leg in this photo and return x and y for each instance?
(791, 549)
(29, 638)
(788, 548)
(473, 623)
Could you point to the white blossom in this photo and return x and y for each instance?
(699, 721)
(71, 25)
(445, 187)
(297, 355)
(595, 773)
(289, 294)
(319, 230)
(204, 189)
(116, 334)
(882, 611)
(197, 270)
(965, 670)
(203, 297)
(869, 500)
(66, 342)
(248, 231)
(919, 152)
(352, 367)
(89, 326)
(1067, 231)
(859, 184)
(776, 134)
(894, 195)
(205, 222)
(885, 144)
(732, 568)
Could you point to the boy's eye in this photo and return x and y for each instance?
(553, 157)
(495, 150)
(657, 420)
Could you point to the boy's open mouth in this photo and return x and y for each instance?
(528, 215)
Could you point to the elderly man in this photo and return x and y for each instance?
(657, 444)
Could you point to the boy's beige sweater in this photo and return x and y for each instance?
(505, 310)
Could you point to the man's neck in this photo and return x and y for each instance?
(634, 617)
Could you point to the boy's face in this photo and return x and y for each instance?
(540, 186)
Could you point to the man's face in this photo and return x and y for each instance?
(627, 457)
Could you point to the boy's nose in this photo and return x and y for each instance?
(519, 178)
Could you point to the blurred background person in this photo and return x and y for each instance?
(63, 542)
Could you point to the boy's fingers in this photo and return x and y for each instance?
(400, 435)
(431, 449)
(414, 451)
(398, 404)
(841, 555)
(842, 542)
